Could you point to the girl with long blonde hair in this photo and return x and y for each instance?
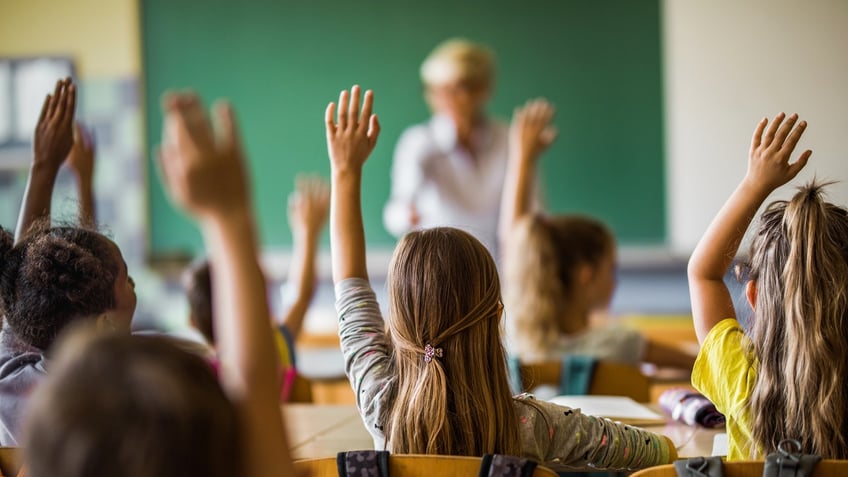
(432, 378)
(786, 377)
(560, 269)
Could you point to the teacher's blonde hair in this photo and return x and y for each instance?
(459, 59)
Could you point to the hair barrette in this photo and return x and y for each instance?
(430, 352)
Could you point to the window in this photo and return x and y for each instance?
(24, 83)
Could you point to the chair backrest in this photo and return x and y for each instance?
(410, 465)
(10, 461)
(609, 378)
(745, 468)
(301, 390)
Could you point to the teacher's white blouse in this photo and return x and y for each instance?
(446, 184)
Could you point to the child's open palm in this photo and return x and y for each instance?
(531, 131)
(352, 136)
(81, 157)
(53, 133)
(768, 161)
(309, 206)
(203, 170)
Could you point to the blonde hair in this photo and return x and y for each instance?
(444, 292)
(799, 333)
(458, 59)
(541, 257)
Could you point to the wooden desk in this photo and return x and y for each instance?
(321, 430)
(690, 441)
(324, 430)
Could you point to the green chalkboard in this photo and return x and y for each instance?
(281, 62)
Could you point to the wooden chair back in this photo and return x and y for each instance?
(410, 465)
(609, 378)
(10, 461)
(301, 391)
(745, 468)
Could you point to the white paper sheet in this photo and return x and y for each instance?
(618, 408)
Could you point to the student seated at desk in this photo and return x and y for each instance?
(53, 276)
(140, 406)
(308, 209)
(431, 378)
(787, 376)
(558, 270)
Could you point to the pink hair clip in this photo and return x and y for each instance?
(430, 352)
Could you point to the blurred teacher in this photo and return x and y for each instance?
(449, 171)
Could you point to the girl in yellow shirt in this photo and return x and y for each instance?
(785, 377)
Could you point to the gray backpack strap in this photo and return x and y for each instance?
(363, 463)
(788, 461)
(699, 467)
(497, 465)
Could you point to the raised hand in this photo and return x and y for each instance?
(203, 168)
(81, 157)
(768, 160)
(352, 136)
(308, 207)
(768, 169)
(54, 132)
(350, 139)
(531, 131)
(81, 162)
(51, 143)
(204, 174)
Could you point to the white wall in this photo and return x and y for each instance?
(727, 64)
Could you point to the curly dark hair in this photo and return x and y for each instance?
(53, 277)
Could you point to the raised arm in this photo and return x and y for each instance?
(351, 136)
(768, 169)
(531, 132)
(81, 162)
(204, 174)
(51, 143)
(308, 207)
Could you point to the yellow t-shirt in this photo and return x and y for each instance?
(725, 373)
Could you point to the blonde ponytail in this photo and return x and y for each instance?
(800, 329)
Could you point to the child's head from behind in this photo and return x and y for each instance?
(132, 406)
(444, 294)
(553, 266)
(197, 282)
(799, 291)
(56, 276)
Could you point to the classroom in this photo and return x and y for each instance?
(613, 137)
